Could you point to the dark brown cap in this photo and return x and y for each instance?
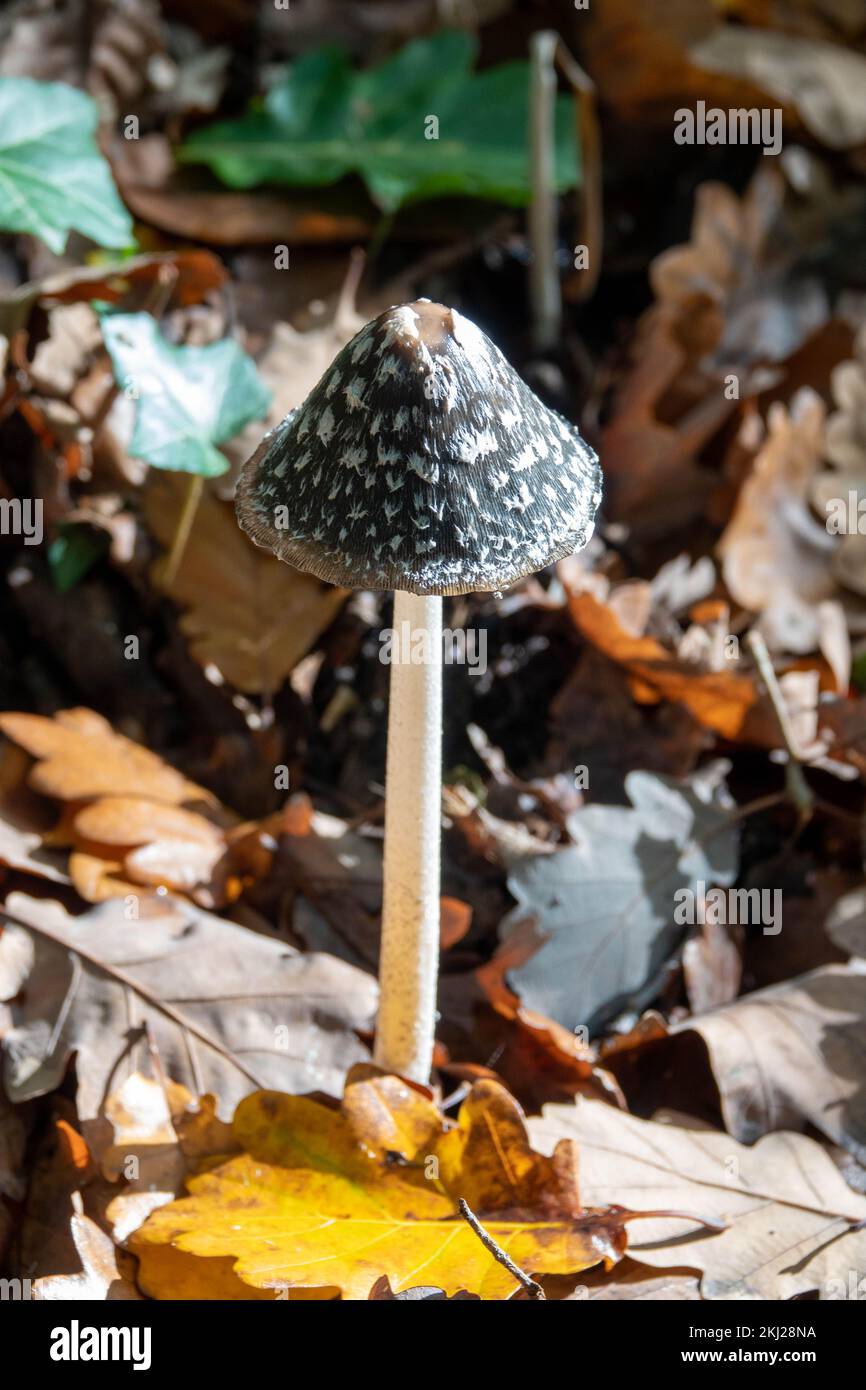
(421, 461)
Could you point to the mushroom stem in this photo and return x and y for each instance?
(409, 958)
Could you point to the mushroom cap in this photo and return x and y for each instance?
(421, 461)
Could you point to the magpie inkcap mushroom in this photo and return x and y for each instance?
(421, 461)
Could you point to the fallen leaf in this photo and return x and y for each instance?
(97, 877)
(712, 966)
(777, 561)
(111, 59)
(23, 850)
(98, 981)
(604, 904)
(100, 1280)
(791, 1218)
(144, 1148)
(455, 919)
(79, 757)
(60, 359)
(652, 480)
(188, 274)
(249, 615)
(846, 922)
(641, 64)
(127, 820)
(119, 842)
(823, 81)
(160, 1133)
(188, 399)
(727, 305)
(389, 1115)
(844, 483)
(735, 302)
(293, 362)
(630, 1282)
(790, 1056)
(728, 702)
(263, 218)
(319, 1212)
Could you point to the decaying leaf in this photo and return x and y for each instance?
(79, 756)
(603, 905)
(125, 842)
(100, 1280)
(777, 560)
(727, 702)
(153, 1131)
(309, 1205)
(293, 362)
(790, 1055)
(99, 984)
(108, 50)
(247, 614)
(823, 81)
(839, 493)
(188, 275)
(791, 1220)
(23, 849)
(652, 480)
(729, 286)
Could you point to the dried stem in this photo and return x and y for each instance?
(544, 287)
(798, 789)
(195, 483)
(532, 1288)
(590, 231)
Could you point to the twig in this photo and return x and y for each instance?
(348, 296)
(544, 288)
(590, 230)
(798, 789)
(534, 1290)
(751, 808)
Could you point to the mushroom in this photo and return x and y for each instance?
(422, 463)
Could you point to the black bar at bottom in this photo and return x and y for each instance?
(222, 1338)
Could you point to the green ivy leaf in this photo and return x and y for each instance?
(188, 399)
(52, 177)
(325, 121)
(75, 550)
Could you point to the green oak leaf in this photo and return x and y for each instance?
(52, 177)
(325, 121)
(188, 399)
